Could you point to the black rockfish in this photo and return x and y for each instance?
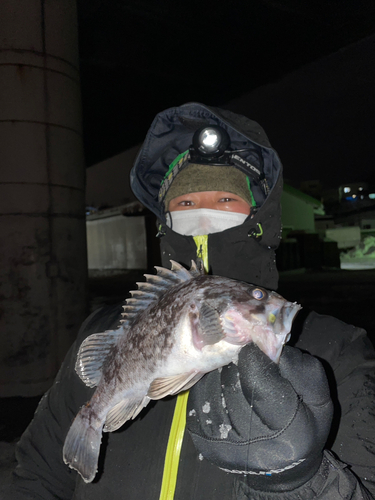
(177, 326)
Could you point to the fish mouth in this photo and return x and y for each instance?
(290, 313)
(285, 317)
(282, 324)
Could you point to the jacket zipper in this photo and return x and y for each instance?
(202, 249)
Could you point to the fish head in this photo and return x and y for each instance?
(254, 314)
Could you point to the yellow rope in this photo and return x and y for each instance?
(172, 456)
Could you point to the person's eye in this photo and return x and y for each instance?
(226, 200)
(186, 203)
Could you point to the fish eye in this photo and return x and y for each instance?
(258, 293)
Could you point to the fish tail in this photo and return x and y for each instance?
(82, 444)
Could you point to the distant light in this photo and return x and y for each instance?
(354, 196)
(372, 196)
(346, 189)
(360, 189)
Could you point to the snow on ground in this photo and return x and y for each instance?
(360, 257)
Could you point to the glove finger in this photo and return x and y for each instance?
(272, 397)
(306, 374)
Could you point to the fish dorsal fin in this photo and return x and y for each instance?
(150, 291)
(92, 354)
(177, 273)
(123, 411)
(165, 386)
(197, 268)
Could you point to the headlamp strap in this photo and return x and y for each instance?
(240, 162)
(250, 169)
(174, 168)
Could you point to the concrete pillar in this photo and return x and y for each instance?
(42, 224)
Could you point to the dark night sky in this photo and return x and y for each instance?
(141, 56)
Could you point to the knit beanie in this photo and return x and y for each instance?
(196, 178)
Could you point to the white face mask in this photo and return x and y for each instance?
(203, 221)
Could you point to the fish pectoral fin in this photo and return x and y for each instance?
(92, 353)
(166, 386)
(210, 331)
(123, 411)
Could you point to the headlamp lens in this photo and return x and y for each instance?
(209, 140)
(208, 143)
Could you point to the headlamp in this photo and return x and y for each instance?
(209, 143)
(211, 146)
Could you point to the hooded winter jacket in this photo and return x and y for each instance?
(246, 252)
(153, 456)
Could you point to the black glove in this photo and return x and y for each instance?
(267, 421)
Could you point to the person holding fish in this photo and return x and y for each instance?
(189, 391)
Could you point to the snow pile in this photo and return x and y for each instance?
(361, 256)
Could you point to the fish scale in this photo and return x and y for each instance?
(178, 325)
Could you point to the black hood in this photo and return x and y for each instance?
(171, 134)
(246, 252)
